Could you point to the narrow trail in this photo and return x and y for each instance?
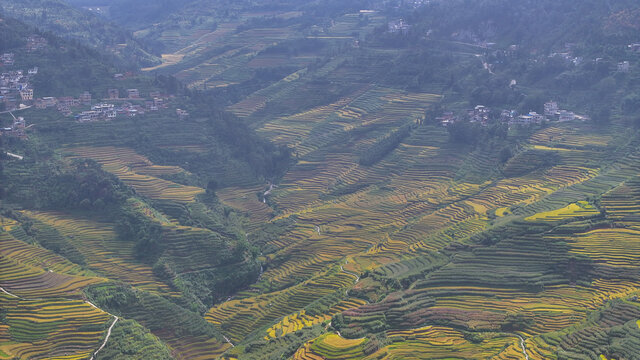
(349, 272)
(267, 193)
(524, 347)
(8, 293)
(115, 320)
(229, 341)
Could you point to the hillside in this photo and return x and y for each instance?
(63, 20)
(328, 180)
(132, 15)
(91, 221)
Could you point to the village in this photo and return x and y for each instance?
(111, 107)
(484, 116)
(17, 94)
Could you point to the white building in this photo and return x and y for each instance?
(564, 115)
(551, 108)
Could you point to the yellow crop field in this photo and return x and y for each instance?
(138, 172)
(53, 329)
(7, 224)
(580, 208)
(297, 321)
(421, 207)
(337, 341)
(104, 253)
(433, 342)
(22, 271)
(617, 247)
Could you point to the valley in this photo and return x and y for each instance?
(325, 181)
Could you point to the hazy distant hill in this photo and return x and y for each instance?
(59, 18)
(133, 14)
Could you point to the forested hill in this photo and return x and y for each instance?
(133, 14)
(543, 25)
(65, 67)
(61, 19)
(526, 53)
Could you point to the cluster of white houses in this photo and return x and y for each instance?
(482, 115)
(108, 109)
(15, 87)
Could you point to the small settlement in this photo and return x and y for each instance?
(111, 107)
(483, 115)
(17, 93)
(17, 129)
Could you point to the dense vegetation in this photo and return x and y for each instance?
(384, 146)
(129, 340)
(308, 202)
(59, 18)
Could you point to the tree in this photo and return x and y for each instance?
(212, 186)
(516, 322)
(505, 154)
(464, 133)
(631, 103)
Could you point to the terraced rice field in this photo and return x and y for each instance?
(238, 318)
(104, 253)
(434, 342)
(139, 173)
(579, 209)
(51, 329)
(417, 201)
(297, 321)
(247, 201)
(425, 220)
(232, 64)
(332, 346)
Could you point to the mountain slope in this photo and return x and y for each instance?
(82, 206)
(61, 19)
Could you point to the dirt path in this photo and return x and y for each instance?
(267, 193)
(229, 341)
(115, 320)
(350, 273)
(524, 347)
(8, 293)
